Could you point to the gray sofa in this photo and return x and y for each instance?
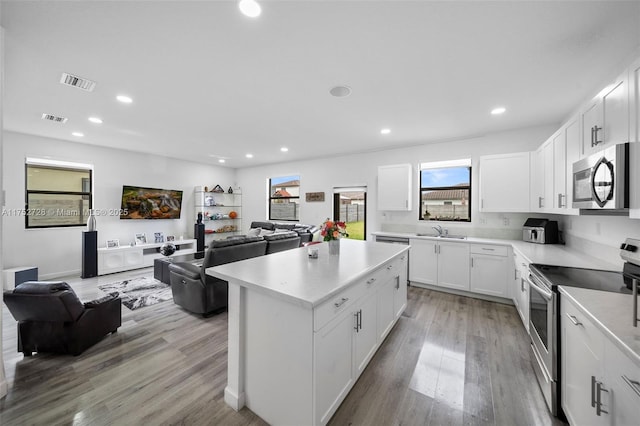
(306, 232)
(200, 293)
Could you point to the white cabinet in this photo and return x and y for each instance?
(490, 269)
(564, 170)
(622, 378)
(392, 296)
(366, 326)
(394, 187)
(125, 258)
(439, 263)
(634, 149)
(605, 120)
(520, 289)
(542, 177)
(504, 182)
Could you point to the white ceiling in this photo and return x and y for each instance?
(208, 82)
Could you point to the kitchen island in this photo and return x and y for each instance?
(302, 330)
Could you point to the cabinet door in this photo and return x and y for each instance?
(582, 360)
(634, 149)
(365, 329)
(394, 187)
(634, 101)
(572, 140)
(495, 170)
(624, 394)
(489, 275)
(386, 305)
(400, 296)
(333, 365)
(591, 118)
(537, 180)
(559, 192)
(615, 109)
(453, 265)
(423, 261)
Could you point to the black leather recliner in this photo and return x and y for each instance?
(200, 293)
(51, 318)
(282, 241)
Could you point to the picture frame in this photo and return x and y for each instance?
(158, 237)
(141, 238)
(314, 196)
(113, 243)
(171, 238)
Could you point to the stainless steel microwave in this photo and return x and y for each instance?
(601, 180)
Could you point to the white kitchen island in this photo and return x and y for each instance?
(302, 330)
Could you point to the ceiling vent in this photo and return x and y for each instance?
(54, 118)
(79, 82)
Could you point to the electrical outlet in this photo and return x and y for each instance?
(483, 221)
(505, 221)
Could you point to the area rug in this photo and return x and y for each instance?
(139, 292)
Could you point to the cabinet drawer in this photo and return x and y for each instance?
(573, 318)
(620, 367)
(489, 249)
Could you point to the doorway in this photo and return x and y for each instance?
(350, 207)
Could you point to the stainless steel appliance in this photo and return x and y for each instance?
(541, 231)
(601, 181)
(393, 239)
(630, 251)
(544, 324)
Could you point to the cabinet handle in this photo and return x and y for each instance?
(592, 138)
(397, 282)
(472, 262)
(522, 289)
(515, 274)
(358, 316)
(488, 249)
(341, 302)
(540, 202)
(406, 203)
(355, 315)
(574, 320)
(435, 249)
(560, 205)
(599, 390)
(596, 129)
(634, 384)
(593, 391)
(482, 203)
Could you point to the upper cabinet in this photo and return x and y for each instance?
(605, 120)
(394, 187)
(504, 183)
(634, 149)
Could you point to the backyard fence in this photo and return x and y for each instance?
(352, 212)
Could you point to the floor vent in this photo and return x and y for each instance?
(54, 118)
(79, 82)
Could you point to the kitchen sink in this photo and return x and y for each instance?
(449, 236)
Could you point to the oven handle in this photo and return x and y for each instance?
(547, 294)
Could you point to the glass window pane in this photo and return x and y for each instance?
(445, 204)
(48, 179)
(451, 176)
(285, 209)
(57, 210)
(285, 186)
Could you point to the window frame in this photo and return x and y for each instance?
(53, 165)
(463, 163)
(271, 197)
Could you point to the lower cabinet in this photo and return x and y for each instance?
(490, 270)
(439, 263)
(600, 384)
(520, 288)
(346, 342)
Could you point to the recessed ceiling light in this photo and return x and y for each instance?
(250, 8)
(77, 134)
(284, 149)
(498, 111)
(124, 99)
(340, 91)
(385, 131)
(249, 155)
(95, 120)
(222, 160)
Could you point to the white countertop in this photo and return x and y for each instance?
(292, 275)
(612, 314)
(547, 254)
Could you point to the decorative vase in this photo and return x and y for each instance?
(91, 222)
(334, 247)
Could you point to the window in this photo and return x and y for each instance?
(284, 198)
(58, 194)
(445, 191)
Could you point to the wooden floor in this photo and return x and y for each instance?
(449, 360)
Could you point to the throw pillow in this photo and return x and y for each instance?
(254, 232)
(265, 232)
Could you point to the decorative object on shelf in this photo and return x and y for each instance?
(171, 238)
(208, 201)
(113, 243)
(141, 238)
(217, 189)
(230, 191)
(332, 232)
(314, 196)
(233, 214)
(206, 189)
(199, 221)
(167, 249)
(91, 221)
(158, 237)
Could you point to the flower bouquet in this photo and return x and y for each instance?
(332, 232)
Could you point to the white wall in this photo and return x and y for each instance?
(323, 174)
(57, 251)
(3, 380)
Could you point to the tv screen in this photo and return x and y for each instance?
(150, 203)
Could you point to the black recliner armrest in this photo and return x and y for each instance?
(98, 302)
(186, 269)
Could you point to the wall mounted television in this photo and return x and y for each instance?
(150, 203)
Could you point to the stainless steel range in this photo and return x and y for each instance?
(544, 326)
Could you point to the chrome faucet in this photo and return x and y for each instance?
(438, 228)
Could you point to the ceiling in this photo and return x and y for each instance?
(209, 83)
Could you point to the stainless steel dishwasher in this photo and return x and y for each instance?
(389, 239)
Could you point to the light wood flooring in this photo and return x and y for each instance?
(449, 360)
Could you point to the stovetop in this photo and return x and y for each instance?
(592, 279)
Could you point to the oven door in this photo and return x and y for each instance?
(542, 329)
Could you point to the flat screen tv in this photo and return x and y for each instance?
(150, 203)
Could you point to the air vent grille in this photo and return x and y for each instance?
(79, 82)
(54, 118)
